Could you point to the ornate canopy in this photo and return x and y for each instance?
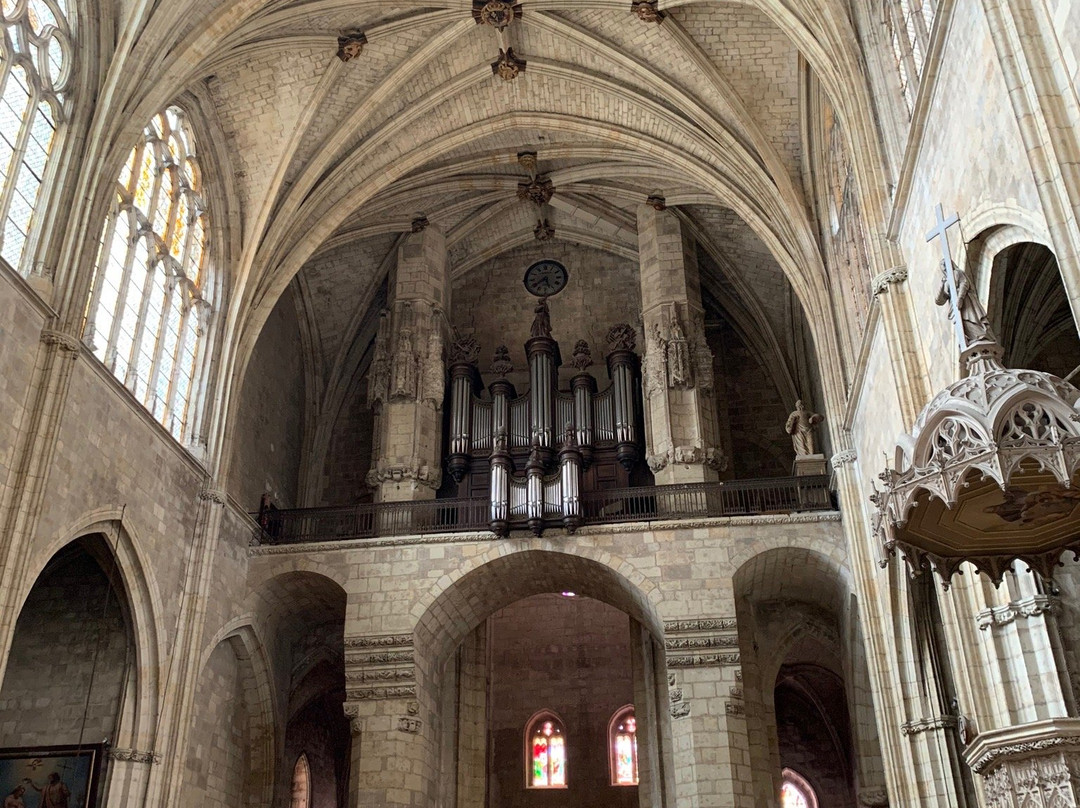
(986, 474)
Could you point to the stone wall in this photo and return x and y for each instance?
(71, 656)
(269, 420)
(570, 656)
(218, 757)
(348, 457)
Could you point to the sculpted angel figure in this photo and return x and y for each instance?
(800, 425)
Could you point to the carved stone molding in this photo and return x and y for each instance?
(881, 283)
(397, 473)
(1034, 606)
(734, 708)
(691, 643)
(350, 45)
(216, 495)
(688, 455)
(380, 693)
(352, 712)
(677, 706)
(409, 724)
(841, 459)
(920, 725)
(384, 675)
(379, 641)
(134, 755)
(379, 658)
(873, 798)
(703, 661)
(993, 748)
(65, 342)
(704, 624)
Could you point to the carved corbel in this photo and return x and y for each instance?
(881, 283)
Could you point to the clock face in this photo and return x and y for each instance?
(545, 278)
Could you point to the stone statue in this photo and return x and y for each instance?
(678, 357)
(404, 369)
(541, 325)
(973, 320)
(379, 375)
(434, 373)
(800, 425)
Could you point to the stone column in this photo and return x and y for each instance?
(709, 730)
(394, 760)
(407, 376)
(680, 412)
(472, 724)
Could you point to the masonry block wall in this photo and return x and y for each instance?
(71, 656)
(217, 757)
(572, 656)
(348, 457)
(269, 420)
(603, 290)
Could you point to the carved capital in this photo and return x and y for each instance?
(873, 798)
(65, 342)
(417, 472)
(881, 283)
(216, 495)
(352, 712)
(1035, 606)
(841, 459)
(134, 755)
(934, 722)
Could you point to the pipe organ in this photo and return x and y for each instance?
(537, 452)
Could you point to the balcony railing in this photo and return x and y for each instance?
(645, 504)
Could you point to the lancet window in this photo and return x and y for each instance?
(545, 741)
(796, 792)
(152, 297)
(35, 74)
(301, 783)
(909, 25)
(622, 747)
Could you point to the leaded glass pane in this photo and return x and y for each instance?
(34, 36)
(155, 283)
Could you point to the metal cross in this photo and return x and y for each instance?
(941, 228)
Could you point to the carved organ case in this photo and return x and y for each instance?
(535, 453)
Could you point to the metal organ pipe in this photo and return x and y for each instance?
(462, 381)
(621, 366)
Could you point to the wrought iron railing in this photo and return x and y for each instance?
(644, 504)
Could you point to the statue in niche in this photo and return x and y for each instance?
(379, 376)
(973, 320)
(541, 325)
(434, 375)
(404, 375)
(800, 425)
(678, 357)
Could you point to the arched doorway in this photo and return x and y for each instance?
(543, 635)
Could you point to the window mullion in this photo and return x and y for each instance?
(17, 158)
(140, 320)
(159, 343)
(122, 293)
(90, 328)
(187, 306)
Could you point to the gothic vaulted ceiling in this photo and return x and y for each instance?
(329, 161)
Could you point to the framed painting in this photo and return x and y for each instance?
(50, 776)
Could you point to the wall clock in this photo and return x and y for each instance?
(546, 278)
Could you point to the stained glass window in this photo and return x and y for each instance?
(622, 745)
(796, 792)
(909, 23)
(152, 296)
(546, 744)
(301, 783)
(35, 74)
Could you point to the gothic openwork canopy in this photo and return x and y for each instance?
(986, 474)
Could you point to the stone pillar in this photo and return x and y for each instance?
(472, 723)
(407, 376)
(680, 414)
(709, 730)
(394, 761)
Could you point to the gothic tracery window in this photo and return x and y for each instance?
(622, 747)
(796, 792)
(152, 296)
(35, 74)
(909, 25)
(301, 784)
(546, 744)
